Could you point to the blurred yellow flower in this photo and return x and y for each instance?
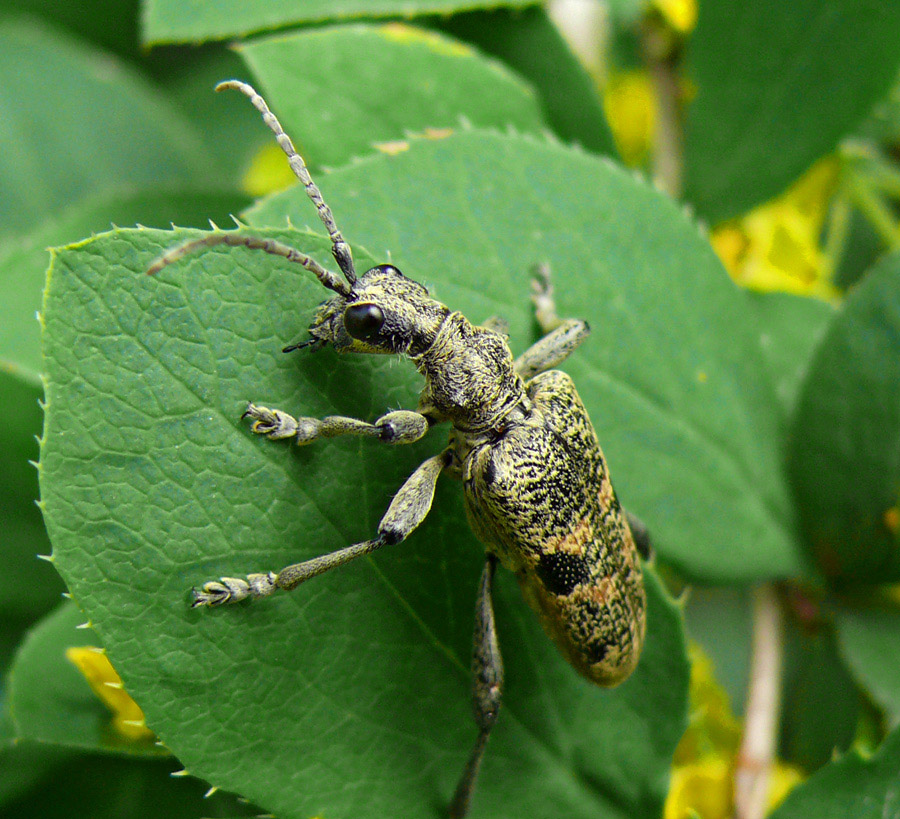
(702, 782)
(681, 15)
(712, 727)
(704, 789)
(784, 779)
(128, 719)
(777, 246)
(268, 172)
(628, 103)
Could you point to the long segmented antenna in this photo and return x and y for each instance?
(340, 248)
(326, 277)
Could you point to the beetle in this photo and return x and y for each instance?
(536, 485)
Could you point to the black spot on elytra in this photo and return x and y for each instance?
(596, 652)
(561, 572)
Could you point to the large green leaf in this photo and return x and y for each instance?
(167, 499)
(29, 587)
(850, 786)
(76, 122)
(777, 86)
(530, 43)
(845, 442)
(108, 24)
(109, 787)
(350, 696)
(50, 700)
(344, 88)
(790, 327)
(672, 373)
(869, 639)
(145, 506)
(24, 261)
(167, 21)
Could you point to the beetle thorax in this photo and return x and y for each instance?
(469, 376)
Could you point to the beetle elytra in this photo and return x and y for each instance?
(536, 486)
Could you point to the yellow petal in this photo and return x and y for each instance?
(784, 779)
(704, 789)
(712, 729)
(128, 719)
(777, 245)
(681, 15)
(629, 106)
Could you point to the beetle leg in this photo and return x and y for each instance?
(399, 427)
(561, 337)
(641, 535)
(407, 510)
(487, 685)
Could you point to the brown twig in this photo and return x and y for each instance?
(661, 56)
(754, 762)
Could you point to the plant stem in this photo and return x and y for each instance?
(754, 762)
(661, 59)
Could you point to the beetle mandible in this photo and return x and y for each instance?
(537, 489)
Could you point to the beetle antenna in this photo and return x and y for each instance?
(339, 247)
(233, 239)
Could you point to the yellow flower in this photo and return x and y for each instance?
(777, 245)
(704, 789)
(784, 779)
(681, 15)
(629, 106)
(703, 773)
(128, 719)
(712, 729)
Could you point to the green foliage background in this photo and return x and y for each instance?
(758, 435)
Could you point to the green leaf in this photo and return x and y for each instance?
(346, 88)
(51, 701)
(790, 327)
(108, 24)
(228, 126)
(850, 786)
(165, 502)
(531, 44)
(869, 639)
(721, 621)
(108, 787)
(672, 374)
(777, 86)
(351, 696)
(22, 764)
(28, 586)
(167, 21)
(76, 122)
(845, 444)
(821, 703)
(23, 262)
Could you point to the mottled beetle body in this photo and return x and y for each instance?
(537, 490)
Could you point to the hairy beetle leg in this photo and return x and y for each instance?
(408, 509)
(398, 427)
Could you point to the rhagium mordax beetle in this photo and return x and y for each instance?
(537, 490)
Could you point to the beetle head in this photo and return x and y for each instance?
(383, 312)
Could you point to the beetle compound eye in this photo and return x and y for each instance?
(389, 268)
(363, 321)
